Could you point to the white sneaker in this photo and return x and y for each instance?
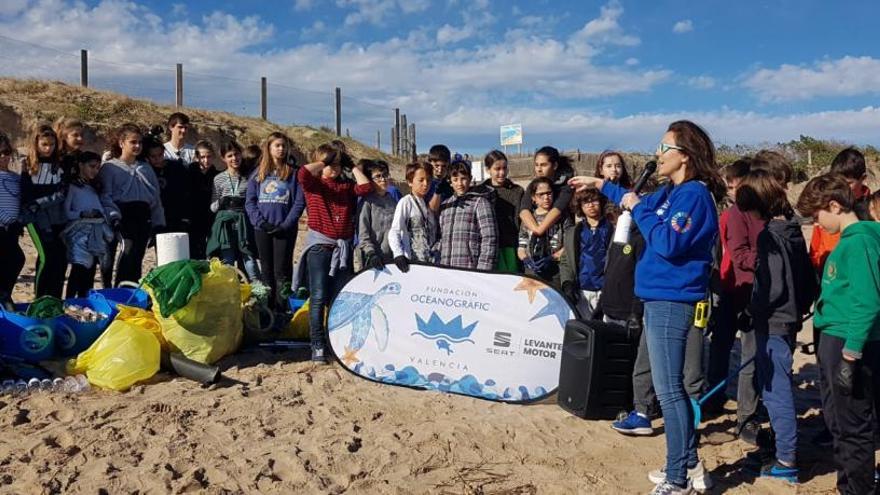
(670, 489)
(702, 480)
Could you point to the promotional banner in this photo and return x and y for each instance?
(495, 336)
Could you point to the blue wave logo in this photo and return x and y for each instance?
(444, 334)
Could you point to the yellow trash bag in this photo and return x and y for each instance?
(209, 326)
(126, 353)
(298, 329)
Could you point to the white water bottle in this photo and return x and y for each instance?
(621, 231)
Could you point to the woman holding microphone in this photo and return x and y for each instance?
(680, 225)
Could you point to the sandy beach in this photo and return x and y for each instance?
(278, 424)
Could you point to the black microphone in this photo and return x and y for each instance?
(650, 168)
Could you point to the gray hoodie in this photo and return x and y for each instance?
(123, 183)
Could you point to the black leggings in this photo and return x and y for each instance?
(276, 262)
(51, 260)
(13, 262)
(81, 280)
(135, 230)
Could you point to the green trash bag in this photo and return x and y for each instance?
(172, 285)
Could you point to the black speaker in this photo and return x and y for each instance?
(595, 377)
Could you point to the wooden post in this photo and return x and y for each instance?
(338, 111)
(810, 158)
(402, 136)
(84, 68)
(395, 136)
(264, 108)
(379, 140)
(412, 141)
(178, 88)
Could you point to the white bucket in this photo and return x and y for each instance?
(172, 246)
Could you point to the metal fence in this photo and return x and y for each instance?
(368, 121)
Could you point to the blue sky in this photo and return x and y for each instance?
(585, 74)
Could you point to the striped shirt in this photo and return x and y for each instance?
(10, 197)
(227, 185)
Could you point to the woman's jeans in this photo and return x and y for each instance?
(667, 325)
(322, 289)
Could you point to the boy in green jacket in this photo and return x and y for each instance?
(848, 317)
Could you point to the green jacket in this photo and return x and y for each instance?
(231, 230)
(849, 304)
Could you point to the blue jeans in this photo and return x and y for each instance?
(245, 262)
(322, 289)
(774, 362)
(667, 325)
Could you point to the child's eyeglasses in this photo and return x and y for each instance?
(380, 177)
(663, 148)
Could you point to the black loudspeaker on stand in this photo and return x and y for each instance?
(595, 377)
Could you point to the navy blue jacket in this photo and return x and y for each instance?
(276, 201)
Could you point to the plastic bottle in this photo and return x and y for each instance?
(67, 385)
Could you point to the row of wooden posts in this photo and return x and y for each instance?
(403, 136)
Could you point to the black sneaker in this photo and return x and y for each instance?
(749, 433)
(318, 356)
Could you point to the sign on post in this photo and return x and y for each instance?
(511, 135)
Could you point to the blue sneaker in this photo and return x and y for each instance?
(779, 471)
(633, 423)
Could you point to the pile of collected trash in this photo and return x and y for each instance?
(184, 316)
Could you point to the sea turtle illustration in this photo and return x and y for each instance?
(364, 315)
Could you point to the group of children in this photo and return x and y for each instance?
(80, 209)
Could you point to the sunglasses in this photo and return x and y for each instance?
(5, 153)
(663, 148)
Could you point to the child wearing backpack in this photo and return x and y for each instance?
(848, 317)
(784, 289)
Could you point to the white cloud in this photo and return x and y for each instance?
(606, 30)
(640, 131)
(684, 26)
(847, 76)
(303, 5)
(548, 83)
(377, 12)
(451, 34)
(702, 82)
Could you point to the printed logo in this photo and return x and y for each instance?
(444, 334)
(36, 338)
(831, 271)
(502, 339)
(681, 222)
(627, 249)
